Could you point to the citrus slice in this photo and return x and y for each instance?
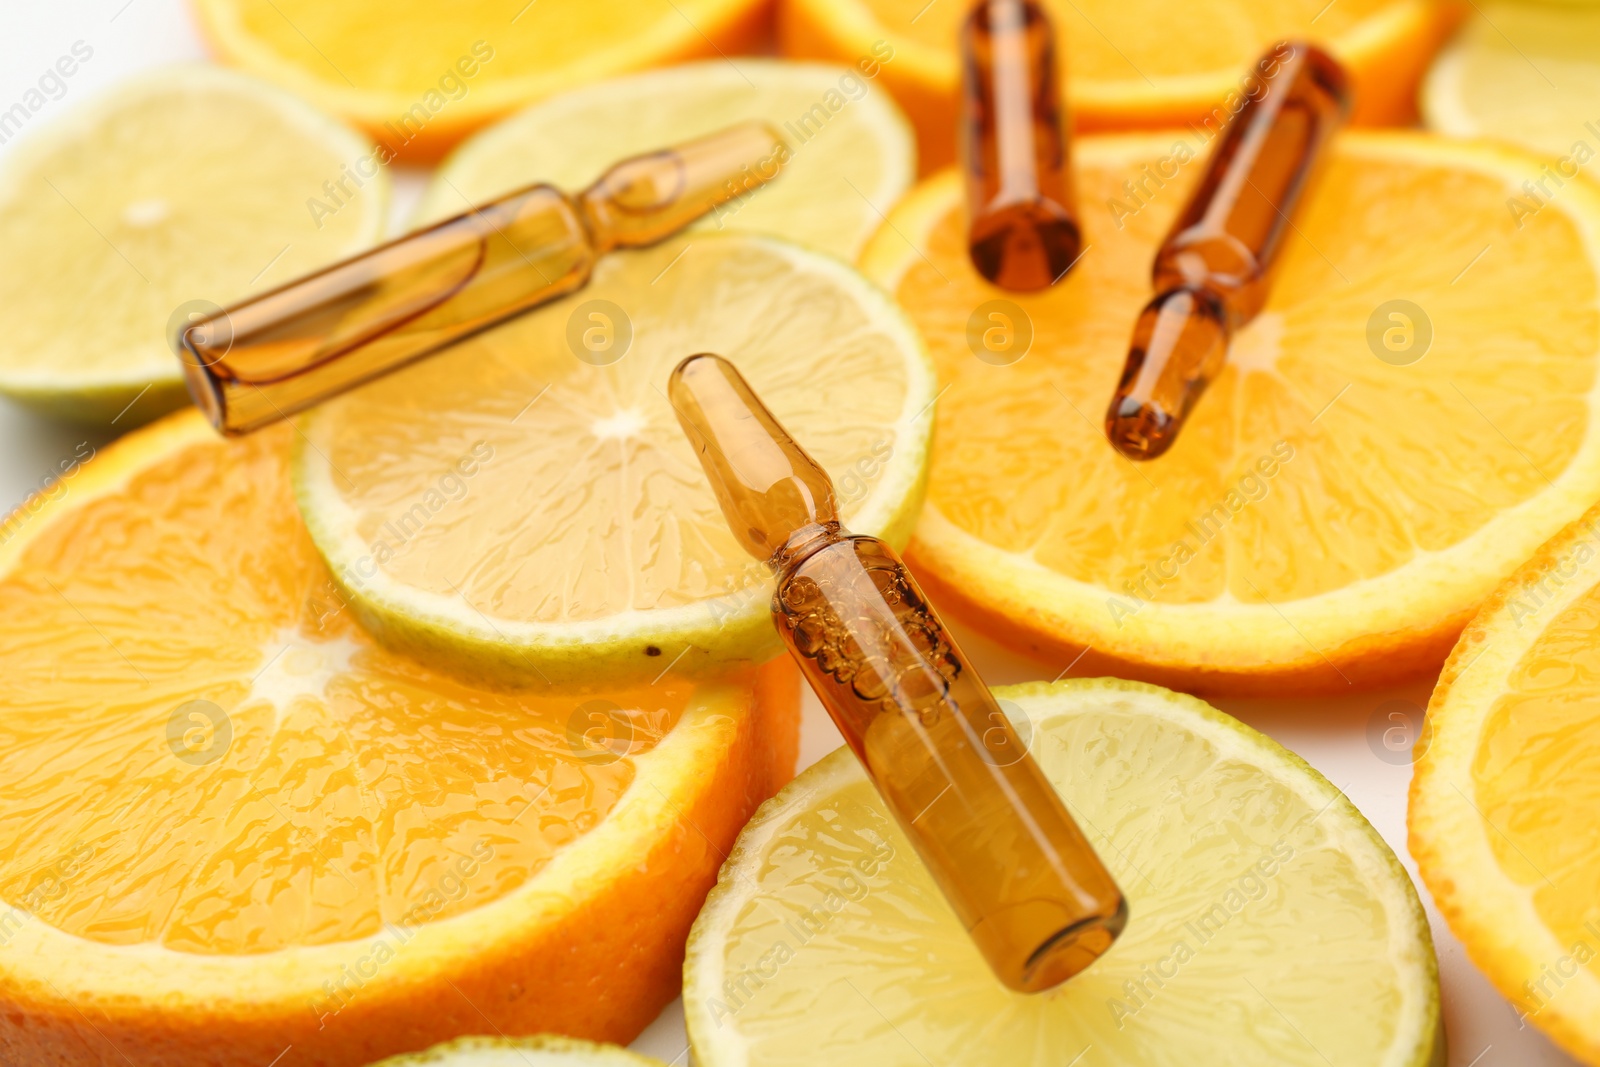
(183, 189)
(525, 506)
(541, 1051)
(851, 150)
(1129, 65)
(229, 823)
(1269, 923)
(1505, 802)
(1528, 74)
(1405, 422)
(424, 75)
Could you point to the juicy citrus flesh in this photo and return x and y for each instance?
(327, 788)
(187, 184)
(1536, 773)
(1298, 475)
(1523, 73)
(1503, 804)
(1268, 923)
(585, 504)
(848, 161)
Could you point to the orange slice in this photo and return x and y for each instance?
(230, 824)
(1505, 802)
(1406, 421)
(1128, 65)
(418, 76)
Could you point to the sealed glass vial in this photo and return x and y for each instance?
(1022, 232)
(988, 825)
(1213, 272)
(277, 353)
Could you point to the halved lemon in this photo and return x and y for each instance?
(424, 75)
(1410, 416)
(1269, 923)
(1146, 64)
(542, 1051)
(1505, 802)
(852, 154)
(525, 507)
(229, 824)
(1528, 73)
(178, 191)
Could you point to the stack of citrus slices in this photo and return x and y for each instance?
(438, 711)
(239, 829)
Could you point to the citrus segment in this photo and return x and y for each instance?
(527, 507)
(187, 187)
(1528, 74)
(1505, 798)
(423, 76)
(1294, 535)
(229, 822)
(1130, 65)
(1269, 924)
(851, 151)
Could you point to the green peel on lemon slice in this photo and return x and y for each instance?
(524, 509)
(1269, 923)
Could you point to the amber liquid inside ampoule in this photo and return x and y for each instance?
(285, 350)
(1022, 233)
(994, 834)
(1213, 272)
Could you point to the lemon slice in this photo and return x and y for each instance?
(1505, 803)
(1526, 73)
(541, 1051)
(1270, 924)
(525, 507)
(184, 188)
(852, 152)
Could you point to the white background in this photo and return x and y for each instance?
(1332, 735)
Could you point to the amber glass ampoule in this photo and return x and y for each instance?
(1022, 233)
(1212, 273)
(285, 350)
(990, 828)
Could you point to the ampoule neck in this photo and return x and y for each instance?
(805, 542)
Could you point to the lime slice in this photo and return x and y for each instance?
(185, 188)
(525, 507)
(1269, 925)
(541, 1051)
(852, 152)
(1529, 74)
